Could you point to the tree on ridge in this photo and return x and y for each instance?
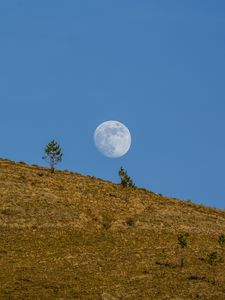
(53, 154)
(126, 181)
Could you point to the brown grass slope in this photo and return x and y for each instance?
(67, 236)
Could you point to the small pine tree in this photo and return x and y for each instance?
(182, 241)
(212, 259)
(126, 181)
(53, 154)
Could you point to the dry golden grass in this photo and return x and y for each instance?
(67, 236)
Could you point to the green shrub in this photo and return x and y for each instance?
(212, 258)
(182, 240)
(221, 240)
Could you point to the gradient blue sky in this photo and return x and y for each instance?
(157, 66)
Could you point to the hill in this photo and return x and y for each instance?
(68, 236)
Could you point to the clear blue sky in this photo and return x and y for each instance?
(157, 66)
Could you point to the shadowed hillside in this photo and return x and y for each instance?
(68, 236)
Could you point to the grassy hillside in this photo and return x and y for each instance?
(68, 236)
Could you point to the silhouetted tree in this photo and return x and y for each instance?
(182, 241)
(126, 181)
(53, 154)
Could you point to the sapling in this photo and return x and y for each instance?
(182, 241)
(125, 179)
(53, 154)
(212, 260)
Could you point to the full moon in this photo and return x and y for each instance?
(112, 139)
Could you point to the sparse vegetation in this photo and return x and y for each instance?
(70, 236)
(53, 154)
(125, 179)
